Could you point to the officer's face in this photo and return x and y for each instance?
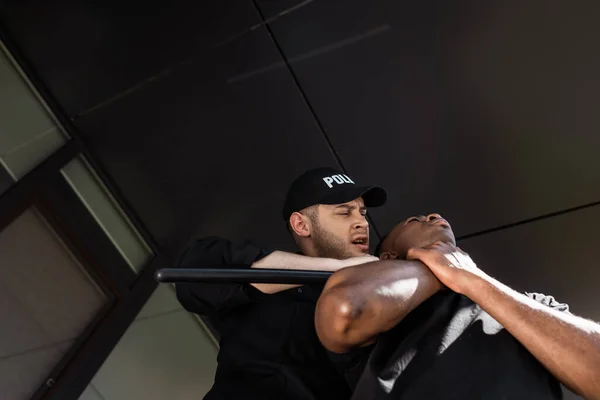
(417, 231)
(341, 231)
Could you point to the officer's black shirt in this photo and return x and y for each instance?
(449, 348)
(268, 347)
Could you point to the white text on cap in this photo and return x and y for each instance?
(340, 179)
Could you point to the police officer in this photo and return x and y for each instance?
(268, 344)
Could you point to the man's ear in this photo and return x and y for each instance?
(300, 224)
(388, 255)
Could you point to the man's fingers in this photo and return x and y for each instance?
(433, 246)
(413, 253)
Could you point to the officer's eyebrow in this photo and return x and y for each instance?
(350, 207)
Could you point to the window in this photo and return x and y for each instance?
(107, 213)
(28, 132)
(47, 300)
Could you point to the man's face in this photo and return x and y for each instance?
(418, 231)
(341, 231)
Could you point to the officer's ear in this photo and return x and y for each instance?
(388, 255)
(300, 224)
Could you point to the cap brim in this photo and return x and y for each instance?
(373, 196)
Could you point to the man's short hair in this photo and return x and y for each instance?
(310, 212)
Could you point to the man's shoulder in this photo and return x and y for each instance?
(219, 250)
(204, 246)
(210, 242)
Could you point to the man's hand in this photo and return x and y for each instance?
(452, 266)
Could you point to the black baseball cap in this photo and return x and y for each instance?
(325, 185)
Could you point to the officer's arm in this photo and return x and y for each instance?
(360, 302)
(283, 260)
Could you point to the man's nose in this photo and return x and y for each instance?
(361, 223)
(432, 217)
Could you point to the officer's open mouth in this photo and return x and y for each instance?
(362, 242)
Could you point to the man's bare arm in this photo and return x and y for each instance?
(360, 302)
(283, 260)
(567, 345)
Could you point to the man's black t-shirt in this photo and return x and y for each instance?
(449, 348)
(269, 348)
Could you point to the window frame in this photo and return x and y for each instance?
(45, 188)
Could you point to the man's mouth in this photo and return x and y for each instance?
(362, 242)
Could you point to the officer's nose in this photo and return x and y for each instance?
(361, 223)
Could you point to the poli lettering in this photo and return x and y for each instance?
(339, 179)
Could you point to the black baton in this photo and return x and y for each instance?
(239, 275)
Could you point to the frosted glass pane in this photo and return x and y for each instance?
(171, 354)
(22, 159)
(47, 299)
(28, 132)
(22, 115)
(107, 213)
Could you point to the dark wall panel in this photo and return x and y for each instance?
(203, 152)
(6, 180)
(88, 52)
(484, 111)
(273, 8)
(554, 256)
